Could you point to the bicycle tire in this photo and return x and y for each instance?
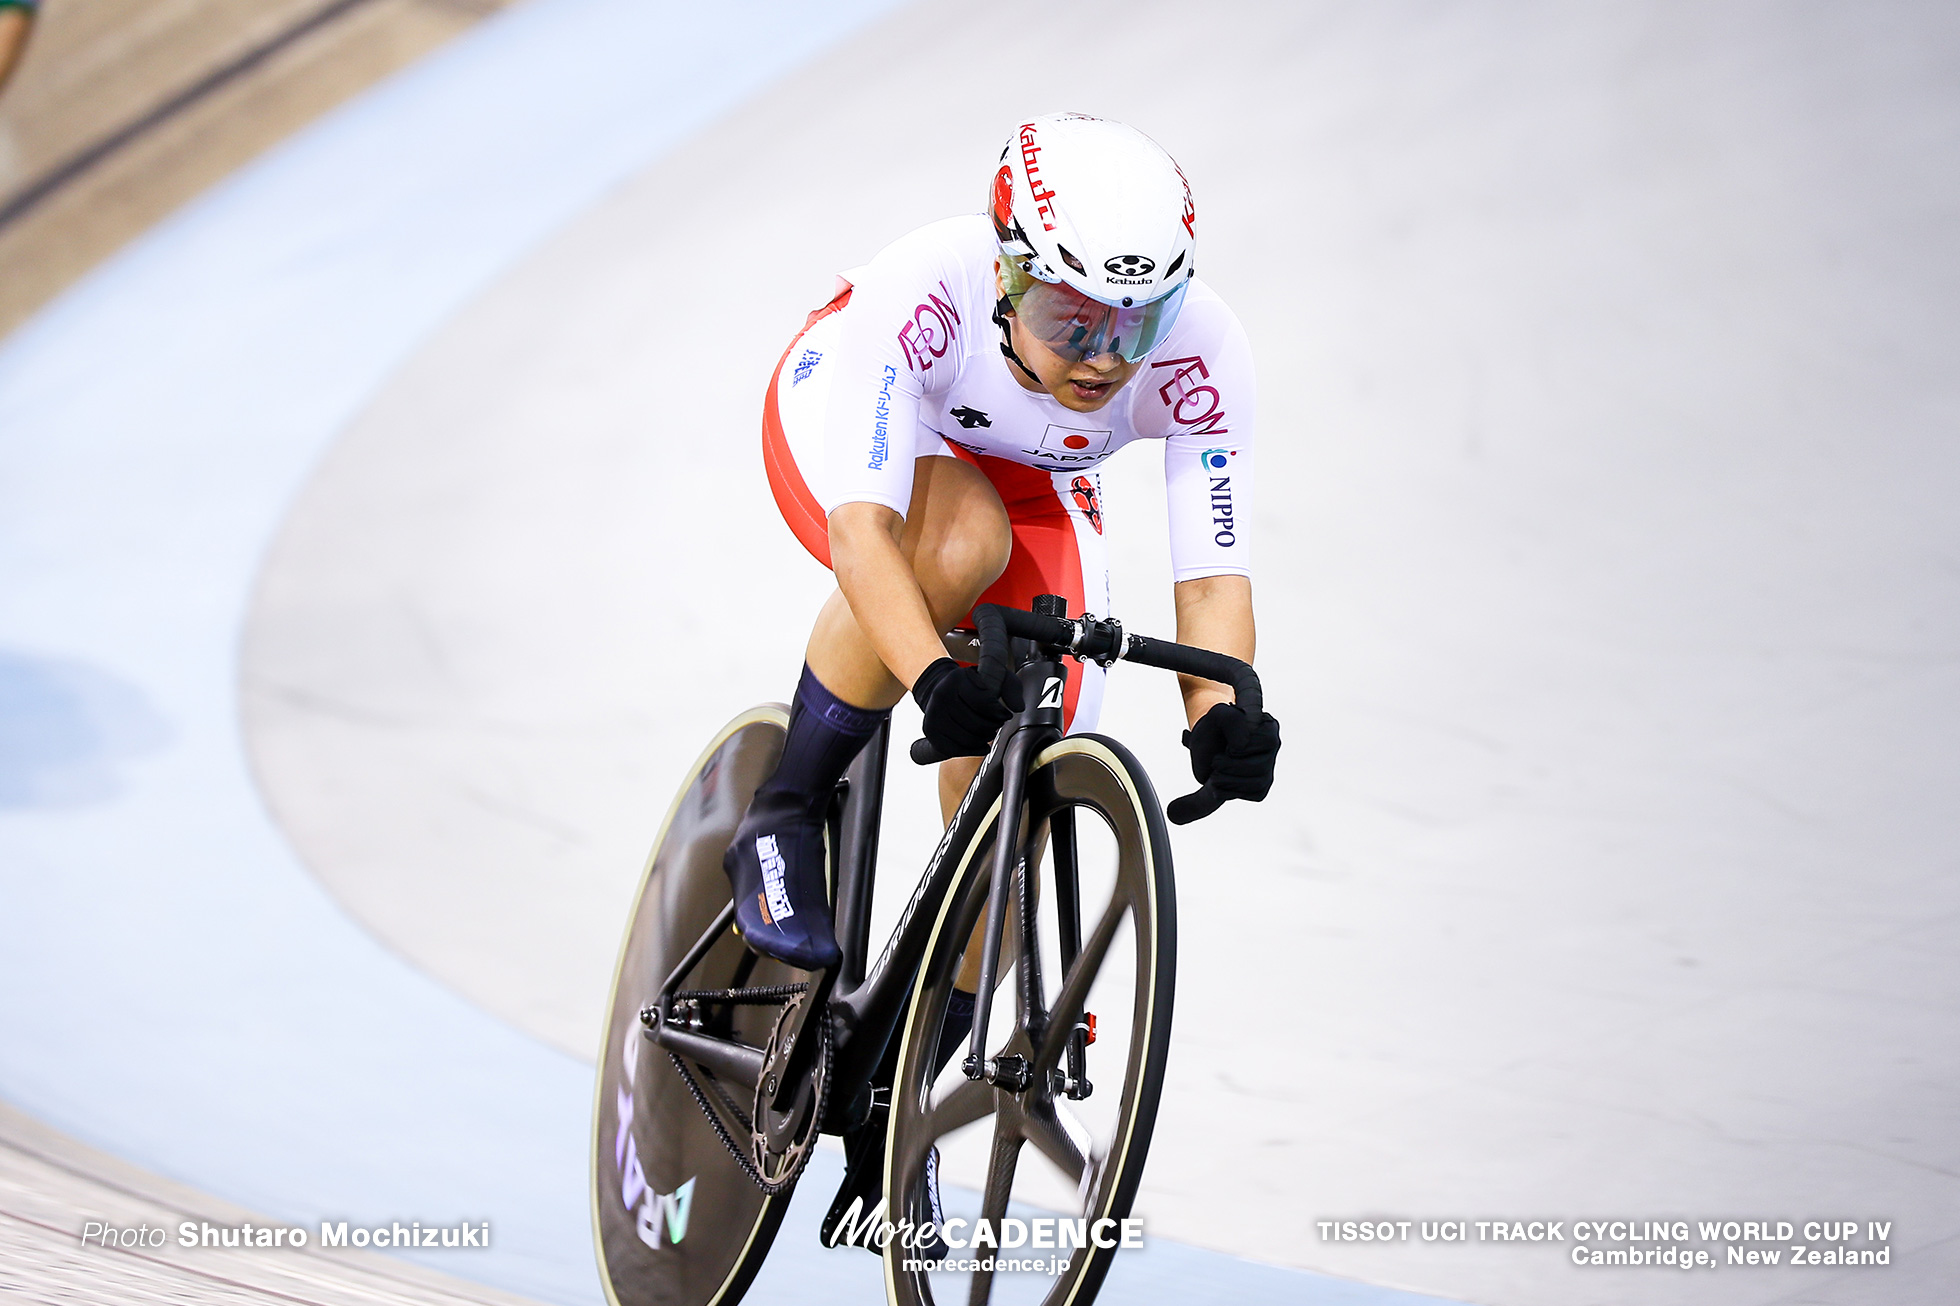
(1083, 773)
(675, 1220)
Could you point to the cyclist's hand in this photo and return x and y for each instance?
(961, 715)
(1233, 752)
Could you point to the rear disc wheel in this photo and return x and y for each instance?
(677, 1220)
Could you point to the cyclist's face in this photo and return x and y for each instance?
(1083, 385)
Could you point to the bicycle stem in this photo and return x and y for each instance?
(1103, 641)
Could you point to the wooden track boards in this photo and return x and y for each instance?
(92, 67)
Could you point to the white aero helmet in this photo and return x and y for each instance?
(1097, 234)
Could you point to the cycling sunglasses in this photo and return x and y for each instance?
(1077, 327)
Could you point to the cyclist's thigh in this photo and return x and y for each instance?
(956, 534)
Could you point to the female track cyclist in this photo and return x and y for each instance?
(934, 435)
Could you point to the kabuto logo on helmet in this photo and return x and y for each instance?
(1031, 164)
(1099, 210)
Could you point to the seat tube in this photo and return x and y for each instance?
(857, 859)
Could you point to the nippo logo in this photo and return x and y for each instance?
(1130, 265)
(1213, 460)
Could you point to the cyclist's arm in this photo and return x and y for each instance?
(1213, 612)
(898, 342)
(880, 586)
(1208, 393)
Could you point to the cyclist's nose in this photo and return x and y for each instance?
(1104, 363)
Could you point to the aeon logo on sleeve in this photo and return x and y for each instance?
(1193, 404)
(930, 332)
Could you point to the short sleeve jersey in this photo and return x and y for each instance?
(919, 362)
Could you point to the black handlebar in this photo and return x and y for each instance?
(1104, 641)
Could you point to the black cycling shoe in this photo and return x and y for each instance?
(776, 866)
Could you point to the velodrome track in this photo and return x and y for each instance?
(1607, 591)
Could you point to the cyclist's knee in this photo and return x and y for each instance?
(964, 565)
(958, 536)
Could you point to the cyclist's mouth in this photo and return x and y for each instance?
(1089, 390)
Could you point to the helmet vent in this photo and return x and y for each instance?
(1072, 260)
(1176, 263)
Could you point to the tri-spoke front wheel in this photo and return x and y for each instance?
(1048, 1155)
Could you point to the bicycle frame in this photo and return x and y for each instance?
(866, 1008)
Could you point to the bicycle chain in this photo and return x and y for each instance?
(744, 997)
(742, 1159)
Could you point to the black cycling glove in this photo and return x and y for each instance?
(1233, 752)
(961, 716)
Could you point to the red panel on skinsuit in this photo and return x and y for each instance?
(801, 511)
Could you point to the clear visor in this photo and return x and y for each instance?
(1076, 326)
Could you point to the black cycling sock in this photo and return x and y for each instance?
(825, 733)
(959, 1023)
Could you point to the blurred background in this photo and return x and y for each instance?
(382, 531)
(126, 110)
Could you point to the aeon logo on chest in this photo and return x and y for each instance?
(931, 331)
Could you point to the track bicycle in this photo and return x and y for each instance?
(721, 1068)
